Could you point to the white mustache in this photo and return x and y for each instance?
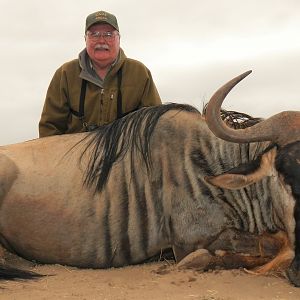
(101, 47)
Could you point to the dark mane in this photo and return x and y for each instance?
(236, 120)
(109, 143)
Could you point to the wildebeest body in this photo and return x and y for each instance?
(49, 216)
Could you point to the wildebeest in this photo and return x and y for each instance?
(154, 179)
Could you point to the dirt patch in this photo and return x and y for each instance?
(161, 280)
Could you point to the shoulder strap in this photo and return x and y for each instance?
(82, 98)
(119, 100)
(80, 113)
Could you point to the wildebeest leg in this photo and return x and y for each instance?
(234, 249)
(231, 249)
(282, 260)
(235, 241)
(202, 260)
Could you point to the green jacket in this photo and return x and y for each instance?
(137, 88)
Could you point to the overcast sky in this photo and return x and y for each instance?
(192, 47)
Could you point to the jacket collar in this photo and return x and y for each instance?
(88, 73)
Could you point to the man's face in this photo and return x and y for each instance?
(102, 44)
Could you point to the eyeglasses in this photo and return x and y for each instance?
(96, 35)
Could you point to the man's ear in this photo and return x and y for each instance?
(233, 180)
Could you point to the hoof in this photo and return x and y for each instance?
(198, 260)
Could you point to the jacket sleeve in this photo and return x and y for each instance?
(150, 95)
(56, 108)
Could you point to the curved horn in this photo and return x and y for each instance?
(282, 128)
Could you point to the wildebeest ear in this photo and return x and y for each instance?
(236, 180)
(229, 181)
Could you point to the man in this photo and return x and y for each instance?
(98, 87)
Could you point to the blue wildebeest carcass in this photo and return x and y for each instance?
(154, 179)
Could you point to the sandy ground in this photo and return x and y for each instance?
(159, 280)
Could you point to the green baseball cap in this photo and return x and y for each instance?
(101, 17)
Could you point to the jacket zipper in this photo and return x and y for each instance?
(101, 106)
(101, 97)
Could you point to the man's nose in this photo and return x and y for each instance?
(101, 38)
